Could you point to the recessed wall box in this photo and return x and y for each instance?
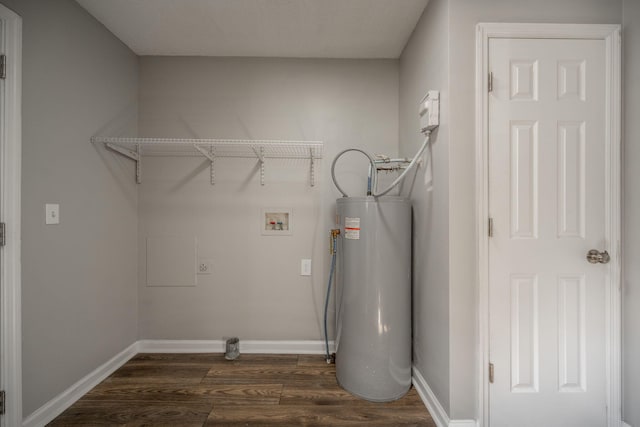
(276, 222)
(429, 111)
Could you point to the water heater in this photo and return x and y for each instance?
(373, 339)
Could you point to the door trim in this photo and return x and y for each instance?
(610, 34)
(11, 158)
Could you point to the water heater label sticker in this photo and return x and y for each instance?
(352, 228)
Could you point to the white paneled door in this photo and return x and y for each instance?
(547, 200)
(2, 186)
(10, 173)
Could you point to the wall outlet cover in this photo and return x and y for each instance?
(204, 266)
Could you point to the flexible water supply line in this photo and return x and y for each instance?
(326, 308)
(399, 179)
(334, 250)
(372, 181)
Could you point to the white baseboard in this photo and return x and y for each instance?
(181, 346)
(429, 399)
(247, 346)
(463, 423)
(439, 415)
(47, 412)
(625, 424)
(50, 410)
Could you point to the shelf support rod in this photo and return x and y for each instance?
(211, 156)
(133, 155)
(212, 170)
(260, 155)
(312, 168)
(138, 165)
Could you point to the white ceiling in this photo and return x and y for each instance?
(273, 28)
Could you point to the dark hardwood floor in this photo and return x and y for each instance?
(206, 389)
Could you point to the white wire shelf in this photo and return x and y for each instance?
(212, 149)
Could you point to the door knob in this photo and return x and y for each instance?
(594, 257)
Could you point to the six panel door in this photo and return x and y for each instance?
(547, 192)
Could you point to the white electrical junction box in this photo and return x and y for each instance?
(429, 111)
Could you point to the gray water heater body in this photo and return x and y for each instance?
(373, 336)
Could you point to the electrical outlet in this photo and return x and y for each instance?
(204, 265)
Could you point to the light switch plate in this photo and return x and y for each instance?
(305, 267)
(52, 213)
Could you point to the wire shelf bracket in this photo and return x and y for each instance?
(260, 156)
(133, 155)
(214, 149)
(209, 154)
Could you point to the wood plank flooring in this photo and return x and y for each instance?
(254, 390)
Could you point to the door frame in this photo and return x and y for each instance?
(10, 195)
(611, 35)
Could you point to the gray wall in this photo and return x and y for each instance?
(255, 290)
(424, 65)
(79, 299)
(631, 251)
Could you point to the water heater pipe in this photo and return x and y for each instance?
(398, 180)
(429, 111)
(373, 172)
(370, 184)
